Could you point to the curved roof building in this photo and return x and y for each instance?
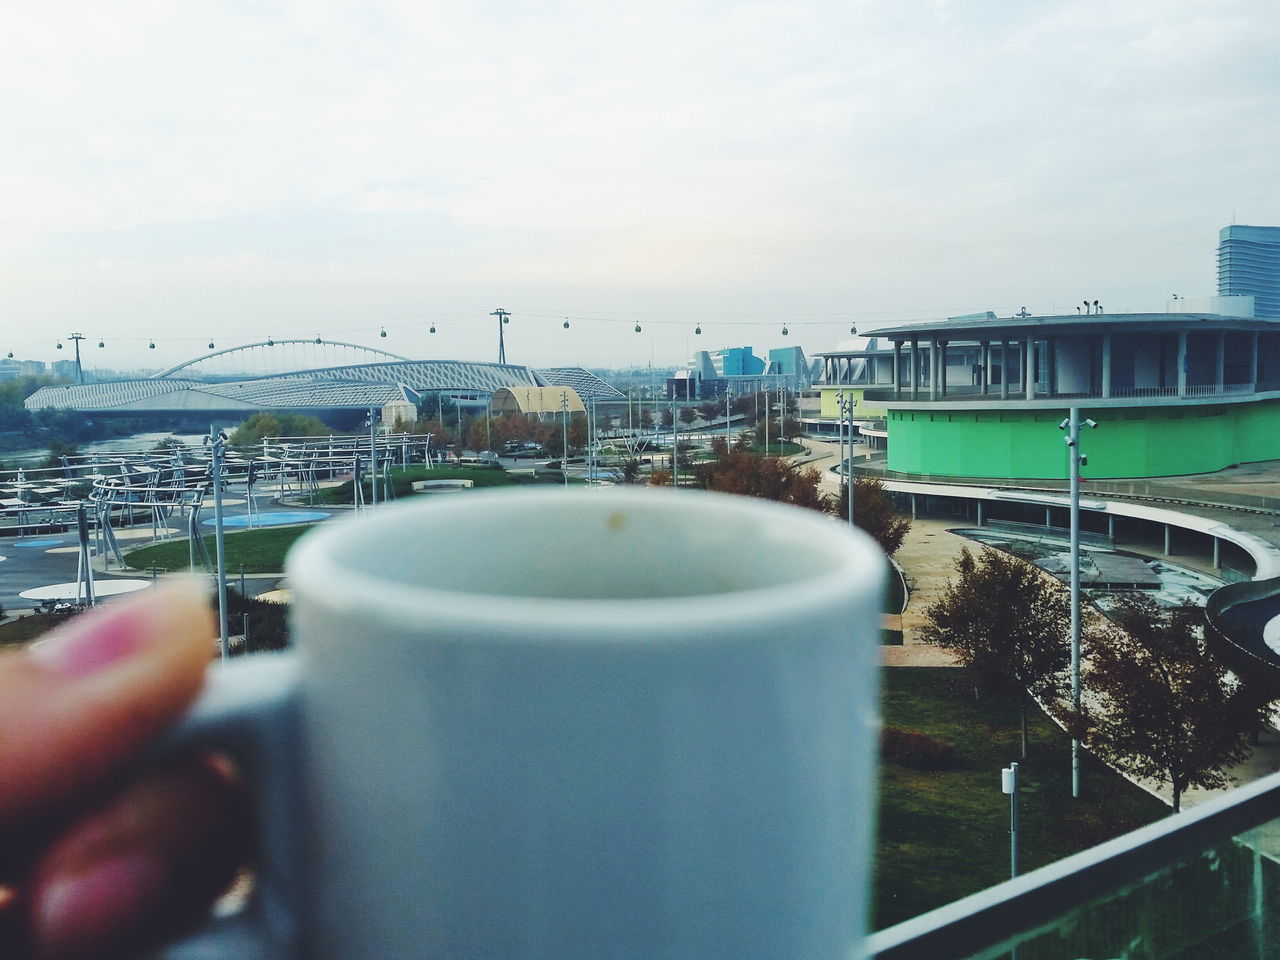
(346, 387)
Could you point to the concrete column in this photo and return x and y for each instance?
(980, 518)
(1004, 369)
(1051, 365)
(1106, 365)
(1220, 368)
(942, 367)
(1254, 358)
(897, 364)
(933, 368)
(1217, 554)
(1182, 363)
(1168, 540)
(913, 506)
(1048, 519)
(1111, 528)
(984, 361)
(915, 367)
(1029, 368)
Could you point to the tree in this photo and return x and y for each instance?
(708, 410)
(688, 415)
(628, 470)
(1007, 622)
(519, 428)
(441, 435)
(57, 450)
(266, 425)
(577, 431)
(769, 478)
(666, 417)
(480, 434)
(1159, 704)
(769, 428)
(874, 512)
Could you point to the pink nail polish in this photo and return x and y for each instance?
(76, 912)
(93, 641)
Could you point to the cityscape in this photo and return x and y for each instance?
(556, 481)
(948, 431)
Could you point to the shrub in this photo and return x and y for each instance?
(911, 748)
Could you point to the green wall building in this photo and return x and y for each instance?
(1173, 393)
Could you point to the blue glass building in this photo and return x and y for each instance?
(1249, 265)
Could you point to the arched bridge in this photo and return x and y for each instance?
(277, 356)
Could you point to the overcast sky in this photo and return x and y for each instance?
(236, 170)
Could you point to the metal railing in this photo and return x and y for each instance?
(924, 393)
(1204, 882)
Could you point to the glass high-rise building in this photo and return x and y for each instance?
(1249, 265)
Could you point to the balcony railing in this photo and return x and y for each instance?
(1202, 883)
(969, 392)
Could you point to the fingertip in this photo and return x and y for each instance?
(141, 868)
(91, 694)
(167, 619)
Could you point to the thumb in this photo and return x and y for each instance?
(87, 698)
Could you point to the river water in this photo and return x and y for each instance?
(137, 441)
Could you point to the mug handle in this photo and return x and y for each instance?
(248, 710)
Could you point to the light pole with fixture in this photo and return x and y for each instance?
(217, 442)
(373, 458)
(846, 413)
(564, 454)
(1076, 460)
(1009, 785)
(728, 397)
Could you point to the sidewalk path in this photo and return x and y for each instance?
(928, 557)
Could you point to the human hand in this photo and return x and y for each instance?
(102, 860)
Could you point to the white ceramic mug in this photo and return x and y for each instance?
(596, 724)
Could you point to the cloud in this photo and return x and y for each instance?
(920, 155)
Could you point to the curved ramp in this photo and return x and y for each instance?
(1241, 618)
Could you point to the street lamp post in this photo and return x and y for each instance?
(564, 458)
(728, 396)
(373, 459)
(766, 420)
(217, 441)
(846, 411)
(1076, 460)
(675, 442)
(1009, 785)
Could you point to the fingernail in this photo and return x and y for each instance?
(76, 912)
(110, 634)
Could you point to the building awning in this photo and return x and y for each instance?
(537, 400)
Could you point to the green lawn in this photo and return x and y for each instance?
(402, 481)
(261, 551)
(945, 834)
(15, 631)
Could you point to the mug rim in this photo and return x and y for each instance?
(852, 565)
